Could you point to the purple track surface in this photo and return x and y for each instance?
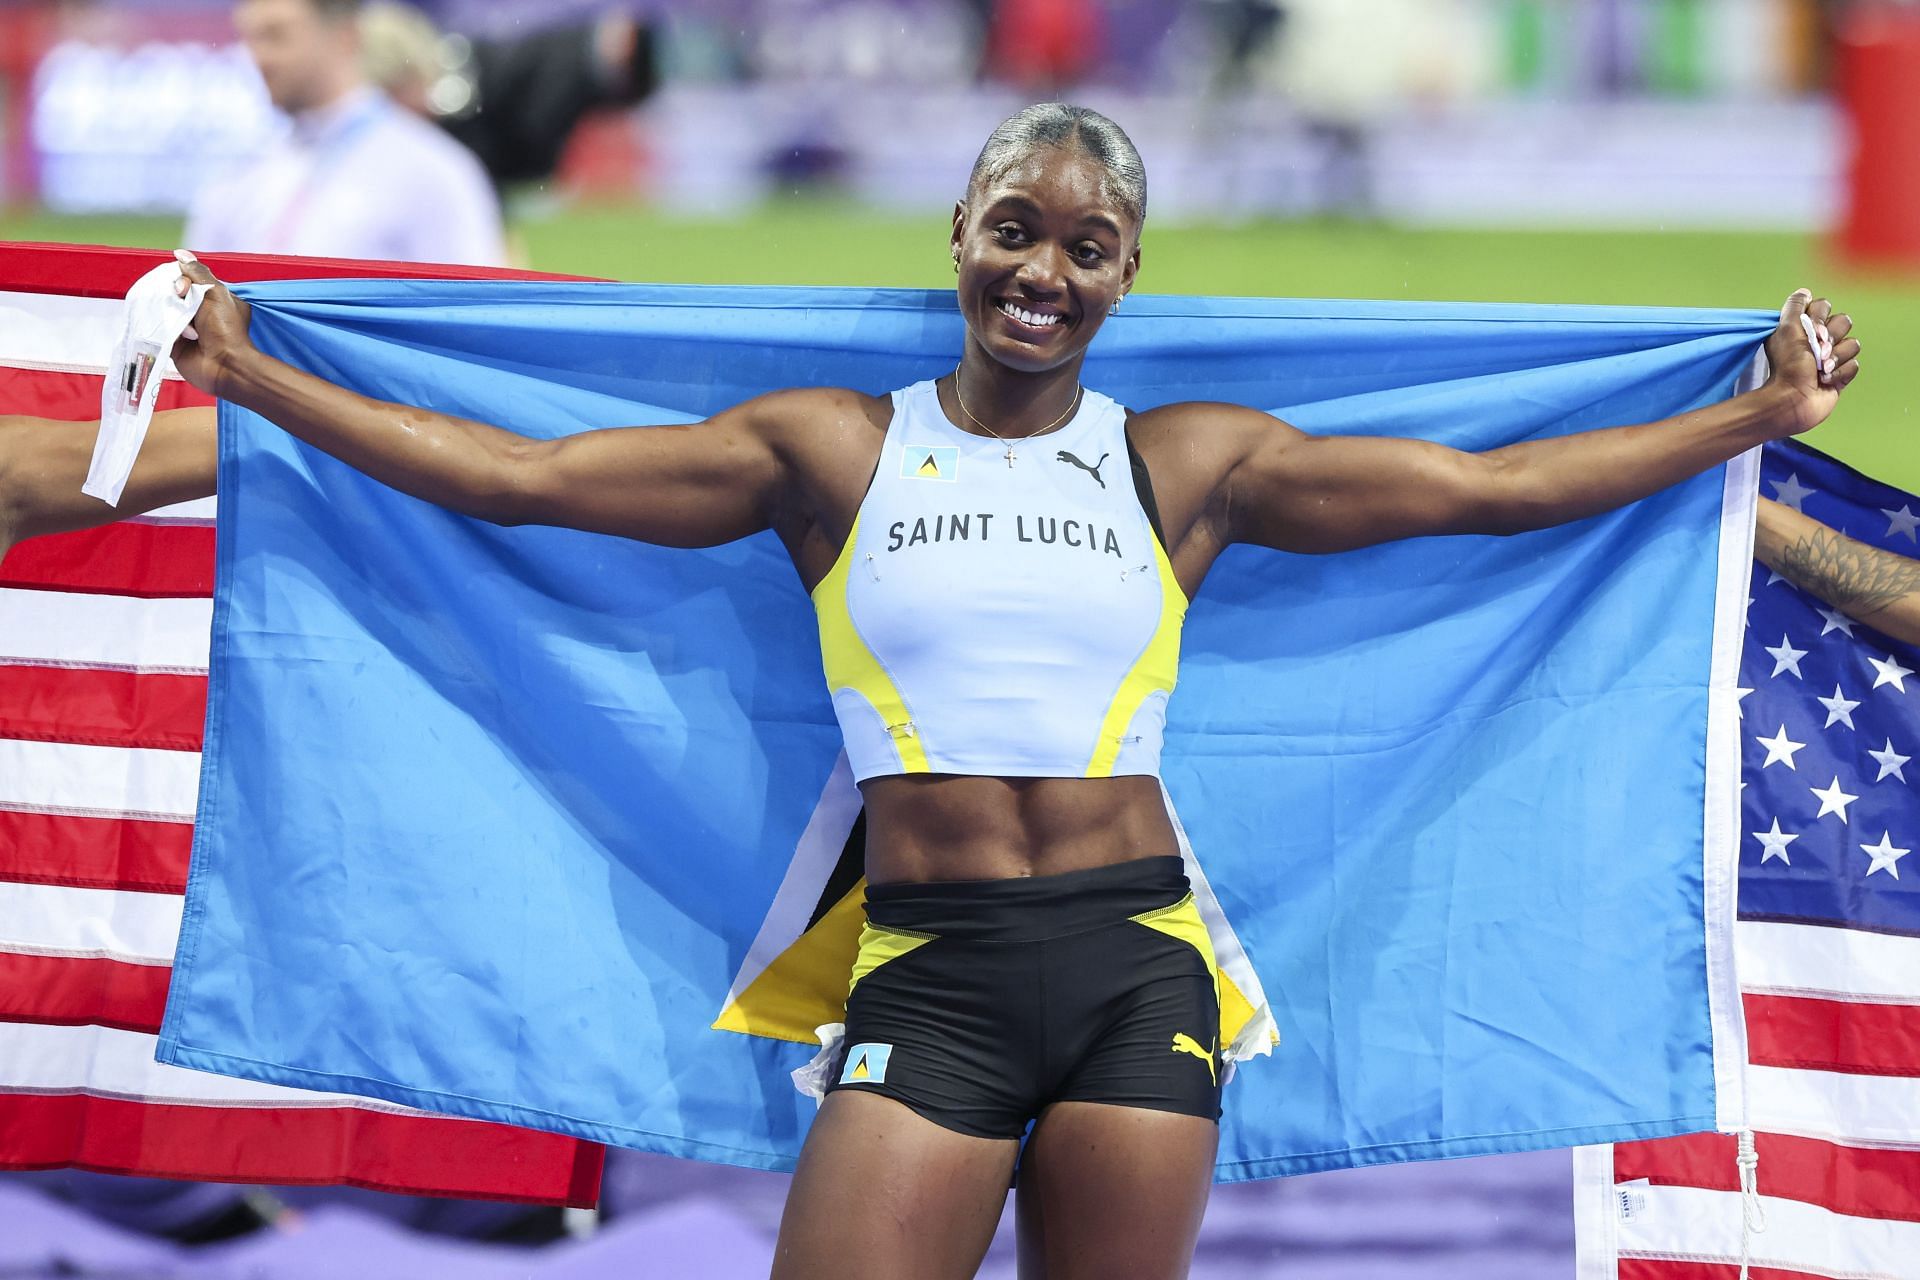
(1497, 1218)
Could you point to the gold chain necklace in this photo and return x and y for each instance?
(1079, 390)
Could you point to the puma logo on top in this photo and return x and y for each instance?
(1184, 1043)
(1094, 470)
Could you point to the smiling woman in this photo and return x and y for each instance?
(1000, 599)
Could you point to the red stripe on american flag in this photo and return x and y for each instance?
(68, 992)
(298, 1146)
(102, 271)
(102, 707)
(1663, 1269)
(1833, 1035)
(94, 853)
(152, 561)
(1861, 1182)
(75, 397)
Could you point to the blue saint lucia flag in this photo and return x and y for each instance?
(552, 828)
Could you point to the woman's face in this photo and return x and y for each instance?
(1042, 252)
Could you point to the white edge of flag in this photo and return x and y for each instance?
(1721, 872)
(1596, 1235)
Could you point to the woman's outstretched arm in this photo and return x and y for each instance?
(1307, 493)
(694, 485)
(43, 462)
(1880, 588)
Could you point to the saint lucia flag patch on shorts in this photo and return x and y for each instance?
(930, 462)
(866, 1064)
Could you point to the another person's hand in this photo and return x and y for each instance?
(218, 333)
(1812, 364)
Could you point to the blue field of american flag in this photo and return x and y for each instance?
(1835, 716)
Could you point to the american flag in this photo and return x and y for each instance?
(103, 660)
(1827, 950)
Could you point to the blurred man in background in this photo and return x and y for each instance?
(355, 176)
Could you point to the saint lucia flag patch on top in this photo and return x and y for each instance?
(930, 462)
(866, 1064)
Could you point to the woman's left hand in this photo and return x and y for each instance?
(1813, 358)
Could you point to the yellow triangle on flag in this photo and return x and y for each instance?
(860, 1071)
(1236, 1011)
(928, 467)
(806, 985)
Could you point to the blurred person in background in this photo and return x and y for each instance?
(354, 176)
(1243, 31)
(1349, 68)
(1044, 45)
(513, 103)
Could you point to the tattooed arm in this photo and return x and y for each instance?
(1880, 588)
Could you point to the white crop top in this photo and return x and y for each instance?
(1010, 620)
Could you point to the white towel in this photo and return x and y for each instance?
(151, 321)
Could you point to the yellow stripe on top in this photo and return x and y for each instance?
(850, 664)
(1154, 671)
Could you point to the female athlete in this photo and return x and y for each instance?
(1000, 560)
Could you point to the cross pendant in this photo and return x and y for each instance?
(1009, 457)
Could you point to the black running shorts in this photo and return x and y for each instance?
(977, 1003)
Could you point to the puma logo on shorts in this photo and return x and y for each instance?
(1184, 1043)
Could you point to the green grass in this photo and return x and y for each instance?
(832, 243)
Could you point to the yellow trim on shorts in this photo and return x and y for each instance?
(1154, 671)
(850, 664)
(878, 945)
(1182, 922)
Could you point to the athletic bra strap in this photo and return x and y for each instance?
(1143, 489)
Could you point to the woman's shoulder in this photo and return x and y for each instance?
(1185, 417)
(1201, 439)
(810, 410)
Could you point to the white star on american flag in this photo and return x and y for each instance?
(1902, 523)
(1833, 800)
(1839, 709)
(1836, 621)
(1787, 658)
(1885, 672)
(1791, 492)
(1780, 749)
(1890, 762)
(1774, 843)
(1885, 857)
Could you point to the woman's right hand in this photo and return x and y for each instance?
(218, 334)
